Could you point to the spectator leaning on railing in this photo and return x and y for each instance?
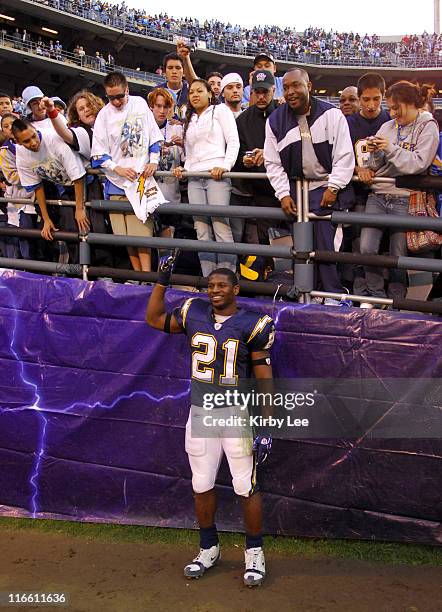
(46, 156)
(126, 145)
(81, 114)
(309, 138)
(21, 215)
(407, 144)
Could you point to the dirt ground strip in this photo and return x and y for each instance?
(128, 577)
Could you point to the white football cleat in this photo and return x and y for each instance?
(206, 558)
(255, 567)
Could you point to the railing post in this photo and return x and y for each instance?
(84, 256)
(299, 212)
(303, 243)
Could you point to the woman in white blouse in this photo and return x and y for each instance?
(211, 144)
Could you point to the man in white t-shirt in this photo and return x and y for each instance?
(126, 144)
(45, 156)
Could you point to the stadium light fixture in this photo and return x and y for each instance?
(50, 31)
(7, 17)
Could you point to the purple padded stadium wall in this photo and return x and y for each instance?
(93, 405)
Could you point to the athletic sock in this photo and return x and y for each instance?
(254, 541)
(208, 537)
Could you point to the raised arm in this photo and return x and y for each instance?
(58, 123)
(156, 315)
(184, 52)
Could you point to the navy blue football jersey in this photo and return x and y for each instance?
(221, 351)
(360, 129)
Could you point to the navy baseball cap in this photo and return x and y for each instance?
(262, 79)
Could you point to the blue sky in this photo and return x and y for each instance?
(376, 16)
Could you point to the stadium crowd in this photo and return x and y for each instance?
(191, 124)
(313, 44)
(426, 45)
(46, 46)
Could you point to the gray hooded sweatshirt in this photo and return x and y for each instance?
(411, 150)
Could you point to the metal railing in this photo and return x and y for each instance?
(86, 61)
(302, 254)
(133, 24)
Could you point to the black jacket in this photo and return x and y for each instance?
(251, 129)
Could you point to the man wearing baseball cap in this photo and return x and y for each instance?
(251, 129)
(265, 61)
(232, 89)
(35, 111)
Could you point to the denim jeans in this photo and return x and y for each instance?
(9, 244)
(384, 204)
(212, 193)
(29, 249)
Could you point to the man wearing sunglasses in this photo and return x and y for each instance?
(126, 144)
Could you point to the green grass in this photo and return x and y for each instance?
(376, 552)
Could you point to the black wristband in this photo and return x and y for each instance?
(261, 361)
(167, 323)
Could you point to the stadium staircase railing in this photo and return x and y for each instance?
(86, 62)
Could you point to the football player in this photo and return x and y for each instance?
(227, 345)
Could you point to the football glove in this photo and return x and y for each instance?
(261, 447)
(166, 266)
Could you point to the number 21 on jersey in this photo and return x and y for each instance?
(205, 355)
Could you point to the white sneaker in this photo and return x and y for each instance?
(255, 566)
(206, 558)
(366, 305)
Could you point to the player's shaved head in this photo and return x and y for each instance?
(222, 289)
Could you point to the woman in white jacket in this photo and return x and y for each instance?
(211, 144)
